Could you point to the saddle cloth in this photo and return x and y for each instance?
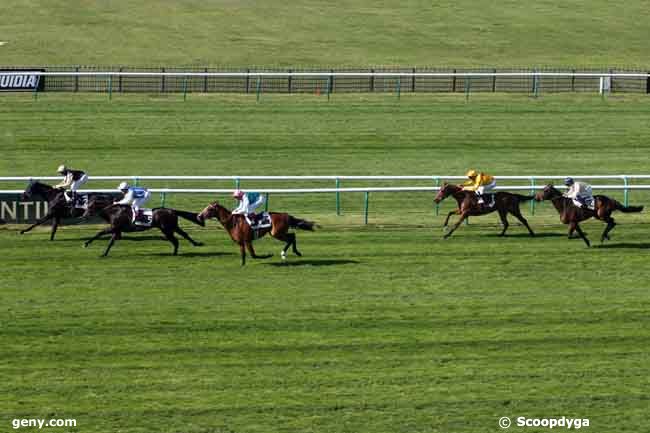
(262, 221)
(81, 202)
(144, 218)
(590, 202)
(488, 200)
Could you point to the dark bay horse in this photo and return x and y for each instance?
(119, 217)
(504, 202)
(241, 233)
(58, 207)
(572, 215)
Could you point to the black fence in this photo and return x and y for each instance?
(335, 84)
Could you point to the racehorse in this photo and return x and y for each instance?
(58, 207)
(120, 216)
(242, 233)
(572, 215)
(504, 202)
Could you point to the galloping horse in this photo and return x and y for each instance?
(119, 217)
(572, 215)
(242, 233)
(504, 202)
(58, 207)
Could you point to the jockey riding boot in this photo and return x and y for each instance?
(68, 199)
(480, 198)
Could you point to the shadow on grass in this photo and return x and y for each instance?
(523, 235)
(324, 262)
(628, 245)
(181, 253)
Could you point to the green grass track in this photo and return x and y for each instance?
(379, 328)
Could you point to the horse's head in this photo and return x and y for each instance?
(211, 211)
(29, 192)
(547, 193)
(446, 190)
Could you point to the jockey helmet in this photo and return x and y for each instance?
(569, 181)
(471, 173)
(238, 194)
(123, 186)
(62, 169)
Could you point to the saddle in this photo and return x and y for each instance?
(259, 221)
(489, 200)
(585, 203)
(144, 218)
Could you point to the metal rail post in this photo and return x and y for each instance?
(185, 88)
(626, 193)
(266, 202)
(110, 87)
(399, 85)
(338, 197)
(365, 211)
(468, 85)
(162, 199)
(259, 88)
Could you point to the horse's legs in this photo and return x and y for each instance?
(101, 233)
(171, 238)
(290, 241)
(115, 236)
(295, 246)
(504, 221)
(520, 217)
(453, 212)
(462, 218)
(37, 223)
(242, 248)
(251, 251)
(575, 226)
(55, 224)
(182, 232)
(610, 225)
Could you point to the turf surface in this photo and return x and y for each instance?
(315, 33)
(378, 328)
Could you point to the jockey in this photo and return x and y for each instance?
(479, 182)
(134, 196)
(72, 179)
(248, 202)
(580, 193)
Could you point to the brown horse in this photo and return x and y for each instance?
(240, 231)
(572, 215)
(58, 207)
(119, 218)
(504, 202)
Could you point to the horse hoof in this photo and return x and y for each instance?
(85, 245)
(283, 255)
(199, 244)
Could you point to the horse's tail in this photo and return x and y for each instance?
(297, 223)
(627, 209)
(190, 216)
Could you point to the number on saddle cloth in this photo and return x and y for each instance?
(144, 217)
(261, 221)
